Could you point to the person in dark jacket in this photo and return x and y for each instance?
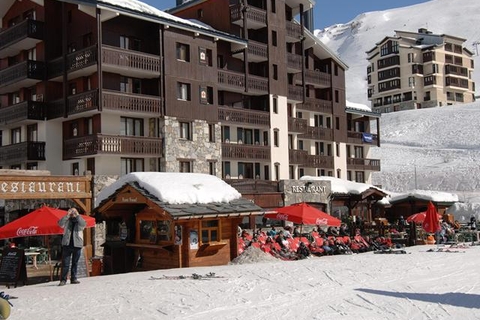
(72, 243)
(303, 251)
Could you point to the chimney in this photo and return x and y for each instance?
(308, 19)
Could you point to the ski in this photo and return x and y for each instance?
(194, 276)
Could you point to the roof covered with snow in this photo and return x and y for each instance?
(435, 196)
(341, 186)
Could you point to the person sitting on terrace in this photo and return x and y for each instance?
(272, 232)
(286, 232)
(344, 230)
(303, 251)
(281, 240)
(332, 231)
(296, 232)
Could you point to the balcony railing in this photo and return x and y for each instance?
(297, 156)
(363, 164)
(23, 151)
(129, 102)
(318, 78)
(236, 81)
(359, 138)
(24, 70)
(245, 152)
(25, 29)
(258, 49)
(81, 102)
(314, 161)
(243, 116)
(316, 105)
(294, 30)
(26, 110)
(297, 125)
(82, 58)
(111, 144)
(255, 16)
(295, 93)
(317, 133)
(130, 59)
(294, 61)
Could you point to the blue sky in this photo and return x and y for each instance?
(328, 12)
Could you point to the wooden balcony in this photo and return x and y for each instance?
(298, 157)
(21, 152)
(132, 103)
(256, 18)
(23, 74)
(130, 63)
(81, 59)
(235, 81)
(229, 115)
(19, 37)
(303, 159)
(232, 151)
(363, 164)
(297, 125)
(23, 112)
(317, 79)
(294, 31)
(257, 52)
(316, 105)
(82, 102)
(359, 138)
(113, 145)
(294, 63)
(295, 93)
(317, 133)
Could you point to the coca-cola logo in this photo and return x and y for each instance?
(321, 221)
(30, 231)
(281, 216)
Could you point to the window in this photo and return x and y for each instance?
(337, 96)
(359, 176)
(185, 131)
(75, 169)
(266, 170)
(200, 13)
(275, 105)
(129, 43)
(206, 95)
(275, 72)
(130, 85)
(335, 70)
(300, 144)
(277, 171)
(210, 231)
(131, 126)
(226, 134)
(337, 150)
(337, 123)
(275, 138)
(211, 133)
(205, 56)
(212, 168)
(226, 170)
(15, 135)
(32, 165)
(183, 52)
(32, 54)
(274, 8)
(411, 82)
(183, 91)
(185, 166)
(32, 132)
(410, 57)
(274, 38)
(89, 125)
(131, 165)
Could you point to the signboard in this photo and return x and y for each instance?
(44, 187)
(13, 267)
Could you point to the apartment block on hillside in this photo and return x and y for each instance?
(414, 70)
(236, 89)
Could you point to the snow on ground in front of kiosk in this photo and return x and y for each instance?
(176, 188)
(416, 285)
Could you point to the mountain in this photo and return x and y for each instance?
(350, 41)
(429, 149)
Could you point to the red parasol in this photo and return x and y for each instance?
(420, 217)
(40, 222)
(431, 224)
(302, 213)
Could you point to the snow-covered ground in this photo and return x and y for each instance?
(416, 285)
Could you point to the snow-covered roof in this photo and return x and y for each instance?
(176, 188)
(359, 108)
(436, 196)
(164, 17)
(341, 186)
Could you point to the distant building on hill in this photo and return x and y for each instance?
(416, 70)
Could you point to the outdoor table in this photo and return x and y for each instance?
(34, 255)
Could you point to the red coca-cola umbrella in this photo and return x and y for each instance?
(40, 222)
(302, 213)
(420, 217)
(431, 224)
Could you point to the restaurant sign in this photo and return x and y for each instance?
(48, 187)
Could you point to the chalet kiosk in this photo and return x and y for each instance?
(158, 220)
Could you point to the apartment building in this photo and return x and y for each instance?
(414, 70)
(240, 90)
